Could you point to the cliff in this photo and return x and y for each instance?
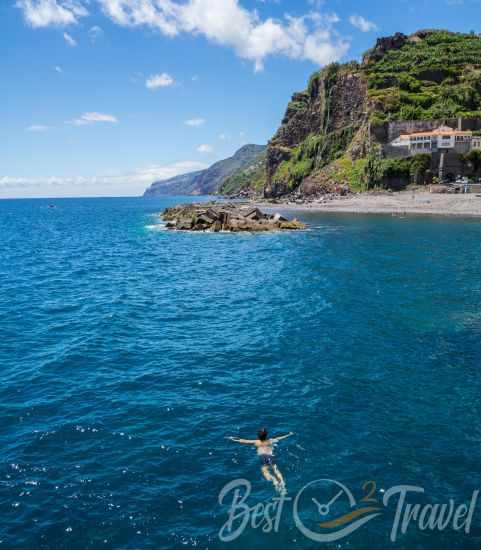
(250, 179)
(332, 132)
(209, 181)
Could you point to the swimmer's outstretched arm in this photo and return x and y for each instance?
(280, 437)
(243, 441)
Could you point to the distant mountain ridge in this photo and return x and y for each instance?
(209, 181)
(250, 179)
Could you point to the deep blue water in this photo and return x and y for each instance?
(128, 354)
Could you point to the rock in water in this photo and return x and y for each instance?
(225, 217)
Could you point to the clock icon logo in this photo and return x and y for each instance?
(325, 510)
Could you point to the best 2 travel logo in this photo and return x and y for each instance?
(326, 510)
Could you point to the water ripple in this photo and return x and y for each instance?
(128, 354)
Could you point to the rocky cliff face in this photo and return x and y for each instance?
(209, 181)
(384, 45)
(249, 180)
(332, 132)
(319, 124)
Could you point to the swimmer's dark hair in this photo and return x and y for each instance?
(262, 434)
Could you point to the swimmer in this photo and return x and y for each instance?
(265, 451)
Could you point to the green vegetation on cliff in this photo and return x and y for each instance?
(213, 179)
(433, 76)
(318, 127)
(251, 177)
(315, 151)
(326, 135)
(372, 172)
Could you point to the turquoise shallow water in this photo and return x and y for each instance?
(128, 354)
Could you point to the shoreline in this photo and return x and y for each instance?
(403, 203)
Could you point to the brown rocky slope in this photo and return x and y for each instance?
(332, 133)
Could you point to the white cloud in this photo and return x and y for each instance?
(44, 13)
(159, 81)
(131, 183)
(223, 137)
(205, 148)
(57, 69)
(195, 78)
(158, 173)
(362, 24)
(195, 122)
(309, 37)
(159, 14)
(38, 128)
(70, 41)
(226, 22)
(92, 118)
(94, 33)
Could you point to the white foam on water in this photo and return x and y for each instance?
(156, 227)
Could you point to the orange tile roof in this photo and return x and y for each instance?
(441, 131)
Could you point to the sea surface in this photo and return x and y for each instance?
(128, 355)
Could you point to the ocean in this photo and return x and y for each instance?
(129, 354)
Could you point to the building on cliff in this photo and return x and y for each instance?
(447, 142)
(364, 125)
(442, 138)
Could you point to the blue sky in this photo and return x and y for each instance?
(101, 97)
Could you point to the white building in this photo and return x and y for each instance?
(440, 139)
(401, 141)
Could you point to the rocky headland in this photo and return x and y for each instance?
(233, 217)
(337, 131)
(338, 135)
(225, 176)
